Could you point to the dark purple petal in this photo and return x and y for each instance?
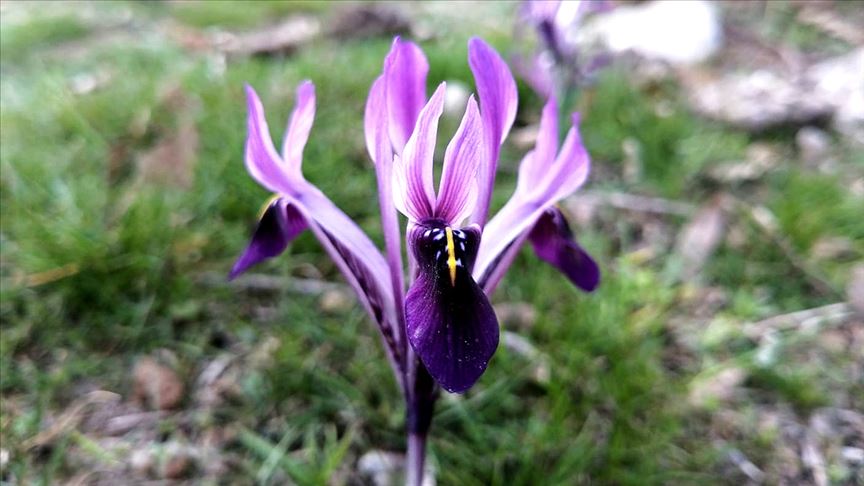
(553, 242)
(451, 324)
(280, 223)
(457, 192)
(405, 70)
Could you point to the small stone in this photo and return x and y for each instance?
(4, 459)
(813, 144)
(833, 248)
(720, 386)
(335, 301)
(516, 315)
(455, 98)
(178, 462)
(141, 462)
(156, 385)
(855, 289)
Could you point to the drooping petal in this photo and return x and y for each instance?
(498, 100)
(262, 161)
(451, 324)
(279, 224)
(299, 125)
(413, 190)
(405, 69)
(457, 192)
(553, 242)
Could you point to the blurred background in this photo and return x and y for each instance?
(725, 343)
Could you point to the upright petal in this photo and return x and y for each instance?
(405, 70)
(451, 324)
(299, 125)
(457, 192)
(413, 190)
(498, 100)
(380, 149)
(262, 161)
(279, 224)
(559, 178)
(553, 242)
(532, 170)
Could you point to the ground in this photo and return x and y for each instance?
(722, 345)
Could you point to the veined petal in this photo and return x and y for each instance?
(405, 70)
(299, 125)
(279, 224)
(262, 161)
(451, 324)
(380, 149)
(553, 242)
(533, 169)
(559, 179)
(375, 120)
(457, 192)
(413, 190)
(359, 259)
(498, 100)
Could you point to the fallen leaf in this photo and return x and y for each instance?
(700, 237)
(282, 38)
(366, 20)
(156, 385)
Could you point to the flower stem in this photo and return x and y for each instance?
(415, 459)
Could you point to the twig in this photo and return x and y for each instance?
(258, 282)
(764, 220)
(634, 202)
(805, 319)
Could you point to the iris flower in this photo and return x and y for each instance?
(443, 330)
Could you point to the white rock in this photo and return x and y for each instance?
(679, 32)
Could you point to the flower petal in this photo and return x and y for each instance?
(299, 125)
(380, 149)
(553, 242)
(457, 192)
(560, 178)
(262, 161)
(279, 224)
(405, 70)
(533, 169)
(498, 100)
(451, 324)
(413, 190)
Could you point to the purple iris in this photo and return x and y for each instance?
(444, 325)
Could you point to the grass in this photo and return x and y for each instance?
(99, 268)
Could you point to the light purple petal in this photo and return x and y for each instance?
(561, 177)
(451, 324)
(375, 119)
(279, 224)
(378, 144)
(405, 70)
(498, 100)
(299, 125)
(357, 258)
(457, 192)
(413, 190)
(262, 161)
(533, 170)
(553, 242)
